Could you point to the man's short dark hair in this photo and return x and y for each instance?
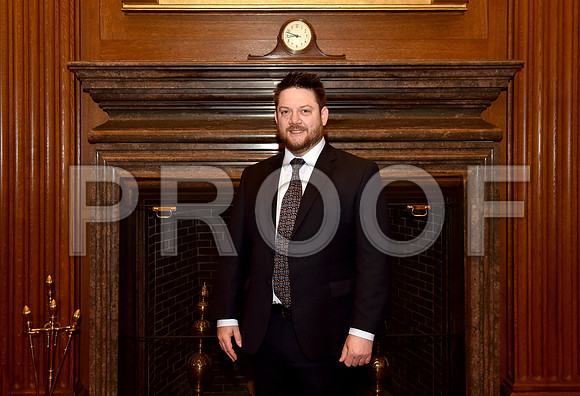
(302, 80)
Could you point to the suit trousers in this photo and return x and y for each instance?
(280, 368)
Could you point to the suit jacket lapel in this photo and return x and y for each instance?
(275, 166)
(326, 163)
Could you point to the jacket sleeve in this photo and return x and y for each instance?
(232, 269)
(372, 265)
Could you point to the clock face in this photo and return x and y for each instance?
(297, 36)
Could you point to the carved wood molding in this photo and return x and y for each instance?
(415, 100)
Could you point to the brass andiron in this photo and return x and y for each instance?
(380, 370)
(51, 331)
(199, 364)
(199, 369)
(201, 325)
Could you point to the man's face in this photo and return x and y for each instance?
(300, 120)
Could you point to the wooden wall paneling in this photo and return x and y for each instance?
(4, 192)
(36, 146)
(478, 33)
(37, 143)
(543, 351)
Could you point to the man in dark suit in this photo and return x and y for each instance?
(305, 300)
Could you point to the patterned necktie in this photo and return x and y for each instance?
(288, 210)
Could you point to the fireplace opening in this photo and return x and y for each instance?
(158, 298)
(424, 338)
(425, 323)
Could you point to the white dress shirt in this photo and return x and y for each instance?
(305, 172)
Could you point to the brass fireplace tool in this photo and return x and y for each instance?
(51, 331)
(199, 364)
(380, 370)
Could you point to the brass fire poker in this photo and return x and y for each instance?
(51, 330)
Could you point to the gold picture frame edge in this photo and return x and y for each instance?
(207, 7)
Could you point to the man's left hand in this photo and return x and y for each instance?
(356, 351)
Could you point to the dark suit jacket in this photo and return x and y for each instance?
(343, 285)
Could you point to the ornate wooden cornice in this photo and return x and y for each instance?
(411, 100)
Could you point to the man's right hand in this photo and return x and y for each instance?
(225, 334)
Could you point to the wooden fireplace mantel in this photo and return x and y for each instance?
(426, 113)
(180, 102)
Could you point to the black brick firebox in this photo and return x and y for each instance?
(424, 337)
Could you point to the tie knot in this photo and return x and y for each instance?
(296, 164)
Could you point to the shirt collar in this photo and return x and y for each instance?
(310, 157)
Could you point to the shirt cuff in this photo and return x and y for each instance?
(227, 322)
(355, 332)
(361, 333)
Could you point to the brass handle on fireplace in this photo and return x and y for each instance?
(164, 209)
(419, 210)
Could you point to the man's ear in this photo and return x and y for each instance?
(276, 115)
(324, 115)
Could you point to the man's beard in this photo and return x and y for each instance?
(312, 138)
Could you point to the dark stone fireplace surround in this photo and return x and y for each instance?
(423, 113)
